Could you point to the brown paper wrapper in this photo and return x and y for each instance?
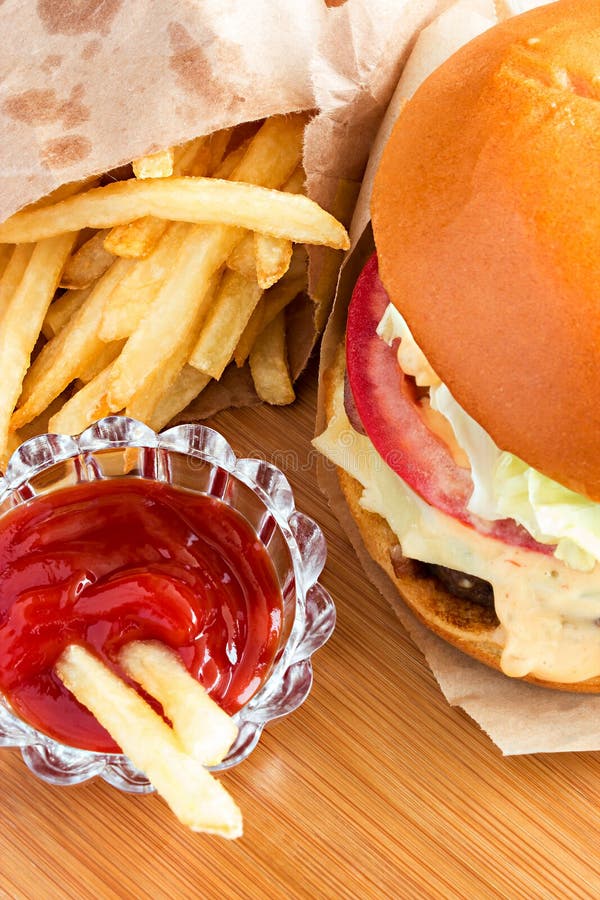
(519, 718)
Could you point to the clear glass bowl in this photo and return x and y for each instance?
(196, 458)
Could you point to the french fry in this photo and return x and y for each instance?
(205, 731)
(229, 314)
(227, 166)
(269, 367)
(187, 154)
(197, 799)
(189, 383)
(135, 240)
(143, 403)
(185, 294)
(268, 160)
(270, 272)
(272, 256)
(270, 305)
(132, 297)
(85, 406)
(273, 153)
(70, 351)
(155, 165)
(61, 311)
(209, 154)
(243, 258)
(217, 146)
(101, 360)
(202, 155)
(23, 320)
(257, 165)
(265, 256)
(138, 239)
(6, 251)
(203, 201)
(87, 264)
(13, 274)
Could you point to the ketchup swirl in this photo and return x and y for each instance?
(109, 562)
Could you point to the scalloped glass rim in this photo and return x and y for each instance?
(290, 680)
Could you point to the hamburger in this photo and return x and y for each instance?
(462, 408)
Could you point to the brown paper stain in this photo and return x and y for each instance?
(51, 62)
(193, 69)
(90, 50)
(77, 16)
(38, 106)
(62, 152)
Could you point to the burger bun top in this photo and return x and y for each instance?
(486, 218)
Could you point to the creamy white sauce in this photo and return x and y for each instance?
(548, 611)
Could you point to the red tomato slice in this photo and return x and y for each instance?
(387, 406)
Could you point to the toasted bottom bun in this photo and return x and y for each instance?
(466, 625)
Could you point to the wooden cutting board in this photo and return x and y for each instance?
(374, 788)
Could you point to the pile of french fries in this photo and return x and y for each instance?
(131, 296)
(173, 758)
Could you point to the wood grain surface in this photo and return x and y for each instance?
(374, 788)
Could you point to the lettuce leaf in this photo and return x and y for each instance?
(505, 487)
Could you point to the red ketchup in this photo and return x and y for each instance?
(109, 562)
